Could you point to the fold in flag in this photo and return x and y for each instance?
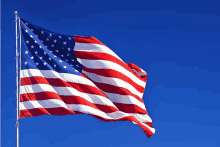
(63, 75)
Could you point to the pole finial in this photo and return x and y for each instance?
(16, 12)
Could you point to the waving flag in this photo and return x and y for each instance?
(63, 75)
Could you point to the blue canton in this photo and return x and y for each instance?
(46, 50)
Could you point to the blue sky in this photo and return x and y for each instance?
(176, 42)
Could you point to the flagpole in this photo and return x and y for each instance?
(17, 55)
(19, 66)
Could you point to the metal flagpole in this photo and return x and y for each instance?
(17, 55)
(19, 66)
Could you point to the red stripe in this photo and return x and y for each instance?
(80, 39)
(114, 89)
(115, 74)
(149, 124)
(107, 57)
(64, 111)
(133, 66)
(43, 111)
(66, 99)
(130, 108)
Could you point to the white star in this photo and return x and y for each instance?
(49, 58)
(37, 63)
(66, 60)
(51, 51)
(64, 43)
(35, 41)
(56, 50)
(32, 46)
(42, 41)
(69, 48)
(68, 54)
(26, 52)
(32, 57)
(27, 41)
(76, 70)
(50, 34)
(73, 60)
(54, 65)
(60, 36)
(77, 65)
(47, 39)
(52, 45)
(69, 38)
(61, 55)
(64, 67)
(45, 53)
(36, 52)
(46, 46)
(55, 56)
(40, 46)
(60, 61)
(26, 23)
(55, 40)
(41, 57)
(42, 32)
(31, 36)
(25, 63)
(45, 63)
(26, 31)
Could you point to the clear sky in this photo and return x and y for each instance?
(176, 42)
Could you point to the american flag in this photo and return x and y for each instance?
(63, 74)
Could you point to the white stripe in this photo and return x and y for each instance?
(152, 129)
(124, 99)
(36, 88)
(143, 70)
(54, 103)
(91, 47)
(66, 91)
(142, 117)
(113, 81)
(139, 73)
(53, 74)
(103, 64)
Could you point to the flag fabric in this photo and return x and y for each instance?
(63, 74)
